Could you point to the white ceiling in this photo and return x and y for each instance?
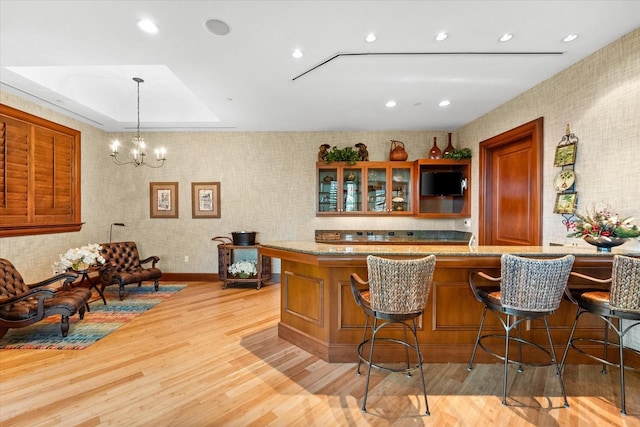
(80, 57)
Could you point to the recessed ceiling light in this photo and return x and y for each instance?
(444, 103)
(147, 26)
(297, 53)
(390, 104)
(441, 36)
(506, 37)
(370, 37)
(217, 27)
(570, 38)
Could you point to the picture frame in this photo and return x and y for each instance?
(565, 154)
(205, 200)
(163, 199)
(565, 203)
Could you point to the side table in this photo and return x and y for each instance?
(226, 256)
(86, 282)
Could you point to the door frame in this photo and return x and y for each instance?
(533, 130)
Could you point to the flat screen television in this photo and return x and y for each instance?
(442, 183)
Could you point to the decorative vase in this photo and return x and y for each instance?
(80, 266)
(604, 244)
(243, 275)
(449, 148)
(397, 152)
(435, 152)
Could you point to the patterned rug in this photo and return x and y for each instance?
(97, 324)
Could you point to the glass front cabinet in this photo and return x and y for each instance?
(365, 188)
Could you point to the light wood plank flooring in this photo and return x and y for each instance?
(212, 357)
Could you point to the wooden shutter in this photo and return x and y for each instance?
(39, 175)
(53, 173)
(14, 161)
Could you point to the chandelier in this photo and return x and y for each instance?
(138, 154)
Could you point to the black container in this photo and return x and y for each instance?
(244, 238)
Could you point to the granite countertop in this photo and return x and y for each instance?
(313, 248)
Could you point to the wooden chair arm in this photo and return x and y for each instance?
(69, 276)
(591, 278)
(40, 293)
(472, 283)
(151, 258)
(355, 282)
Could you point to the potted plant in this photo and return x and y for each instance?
(347, 154)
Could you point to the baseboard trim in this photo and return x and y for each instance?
(203, 277)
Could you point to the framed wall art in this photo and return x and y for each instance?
(163, 198)
(205, 200)
(565, 154)
(565, 203)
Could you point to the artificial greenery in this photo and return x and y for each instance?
(347, 154)
(463, 153)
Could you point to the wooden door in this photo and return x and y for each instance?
(510, 198)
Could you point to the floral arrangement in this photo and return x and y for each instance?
(246, 267)
(603, 222)
(89, 255)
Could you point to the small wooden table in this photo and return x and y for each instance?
(86, 282)
(226, 257)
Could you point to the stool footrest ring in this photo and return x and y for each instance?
(407, 370)
(518, 340)
(600, 359)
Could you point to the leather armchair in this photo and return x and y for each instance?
(123, 266)
(22, 305)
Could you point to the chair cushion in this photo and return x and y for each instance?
(366, 297)
(126, 277)
(20, 310)
(71, 301)
(490, 295)
(599, 298)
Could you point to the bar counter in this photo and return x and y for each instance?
(318, 312)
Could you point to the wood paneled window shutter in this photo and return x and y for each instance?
(39, 175)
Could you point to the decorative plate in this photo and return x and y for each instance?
(564, 180)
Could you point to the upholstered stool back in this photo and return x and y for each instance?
(534, 284)
(399, 286)
(625, 284)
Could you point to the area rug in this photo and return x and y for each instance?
(97, 324)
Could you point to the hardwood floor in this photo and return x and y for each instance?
(212, 357)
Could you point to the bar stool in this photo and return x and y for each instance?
(621, 303)
(397, 294)
(529, 289)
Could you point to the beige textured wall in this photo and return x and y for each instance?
(267, 181)
(600, 98)
(267, 178)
